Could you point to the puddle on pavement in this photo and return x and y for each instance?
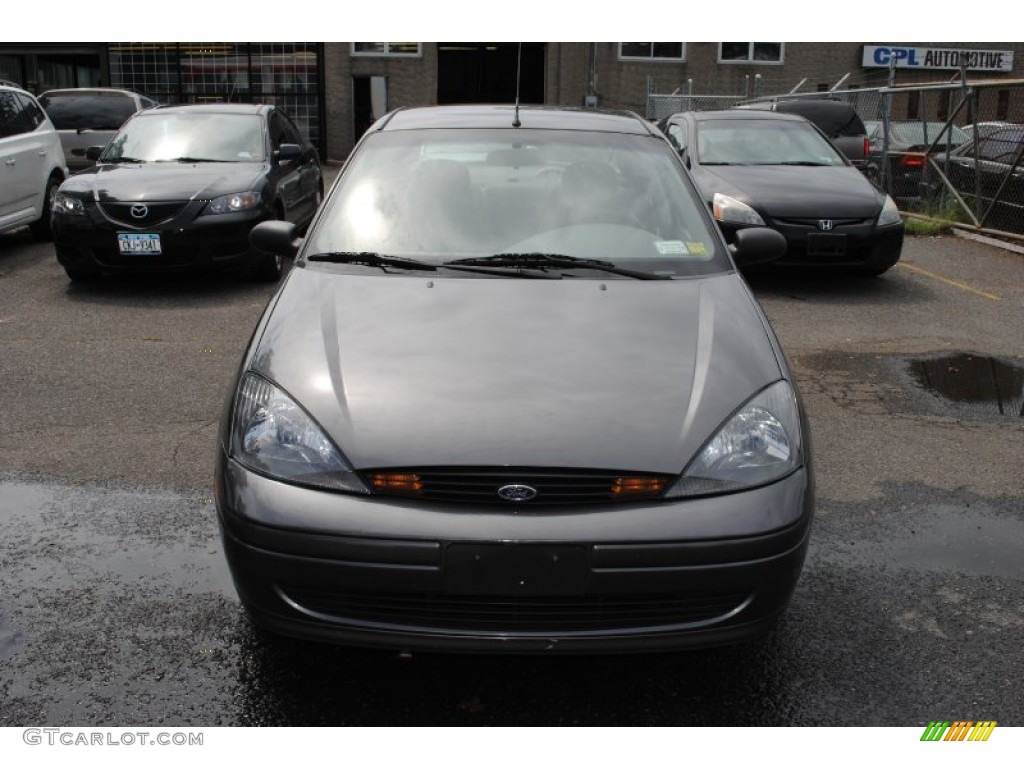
(60, 537)
(975, 383)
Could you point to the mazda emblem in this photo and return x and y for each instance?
(517, 492)
(139, 211)
(825, 225)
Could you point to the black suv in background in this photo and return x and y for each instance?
(836, 119)
(87, 117)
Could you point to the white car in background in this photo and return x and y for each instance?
(32, 164)
(89, 117)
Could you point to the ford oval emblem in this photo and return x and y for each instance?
(517, 492)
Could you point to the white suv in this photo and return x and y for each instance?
(32, 164)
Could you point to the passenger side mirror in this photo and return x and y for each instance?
(288, 152)
(757, 245)
(277, 238)
(93, 153)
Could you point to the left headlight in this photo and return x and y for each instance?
(760, 443)
(730, 209)
(67, 204)
(272, 434)
(890, 213)
(240, 201)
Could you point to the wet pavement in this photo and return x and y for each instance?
(116, 607)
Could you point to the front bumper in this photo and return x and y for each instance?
(414, 576)
(189, 242)
(858, 245)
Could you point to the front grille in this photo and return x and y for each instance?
(813, 223)
(552, 486)
(520, 614)
(156, 213)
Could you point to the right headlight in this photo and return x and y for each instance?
(760, 443)
(271, 434)
(67, 204)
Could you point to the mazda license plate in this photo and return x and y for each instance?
(131, 243)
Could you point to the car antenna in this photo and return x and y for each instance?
(519, 60)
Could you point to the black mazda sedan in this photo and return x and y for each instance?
(514, 397)
(179, 188)
(770, 169)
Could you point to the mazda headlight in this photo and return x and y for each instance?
(272, 434)
(890, 213)
(67, 204)
(760, 443)
(240, 201)
(730, 209)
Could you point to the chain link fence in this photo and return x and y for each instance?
(949, 151)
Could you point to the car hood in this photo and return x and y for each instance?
(405, 371)
(784, 191)
(163, 181)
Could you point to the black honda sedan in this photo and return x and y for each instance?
(179, 188)
(778, 170)
(514, 397)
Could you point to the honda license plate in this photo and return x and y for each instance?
(826, 245)
(131, 243)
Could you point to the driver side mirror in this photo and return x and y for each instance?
(757, 245)
(93, 153)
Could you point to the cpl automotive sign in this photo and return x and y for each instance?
(937, 58)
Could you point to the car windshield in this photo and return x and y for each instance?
(93, 111)
(763, 142)
(439, 195)
(188, 136)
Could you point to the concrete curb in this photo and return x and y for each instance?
(989, 241)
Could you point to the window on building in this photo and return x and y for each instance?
(653, 51)
(913, 105)
(386, 49)
(748, 53)
(10, 69)
(1002, 104)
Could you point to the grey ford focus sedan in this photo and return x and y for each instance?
(514, 396)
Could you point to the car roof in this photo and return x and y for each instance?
(89, 92)
(742, 114)
(503, 115)
(217, 107)
(15, 88)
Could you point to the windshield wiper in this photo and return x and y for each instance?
(544, 261)
(813, 163)
(193, 160)
(124, 160)
(371, 259)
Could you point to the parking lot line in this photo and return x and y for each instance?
(947, 281)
